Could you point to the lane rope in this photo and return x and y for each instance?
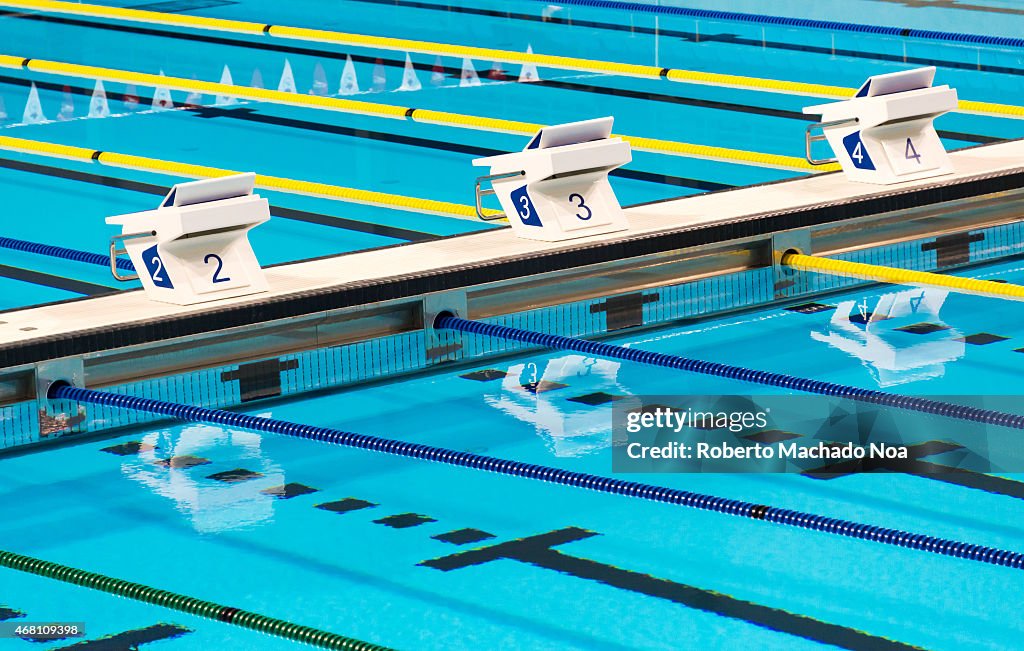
(184, 603)
(505, 56)
(61, 252)
(869, 396)
(264, 181)
(426, 116)
(830, 25)
(898, 276)
(688, 499)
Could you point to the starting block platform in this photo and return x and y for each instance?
(692, 227)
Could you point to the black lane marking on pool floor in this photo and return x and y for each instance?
(809, 308)
(252, 115)
(456, 72)
(537, 551)
(235, 476)
(161, 190)
(914, 465)
(463, 536)
(596, 398)
(485, 375)
(288, 491)
(981, 339)
(183, 462)
(924, 328)
(129, 640)
(9, 613)
(128, 448)
(404, 520)
(346, 505)
(57, 282)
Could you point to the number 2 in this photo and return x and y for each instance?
(911, 152)
(159, 267)
(577, 195)
(220, 265)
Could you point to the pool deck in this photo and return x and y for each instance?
(353, 279)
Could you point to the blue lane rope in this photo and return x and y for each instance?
(61, 252)
(832, 25)
(847, 528)
(806, 385)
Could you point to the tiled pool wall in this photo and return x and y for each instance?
(35, 421)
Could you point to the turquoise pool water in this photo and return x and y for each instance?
(353, 565)
(63, 202)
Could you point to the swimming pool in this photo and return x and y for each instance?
(410, 554)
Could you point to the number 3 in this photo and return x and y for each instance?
(220, 265)
(577, 195)
(525, 212)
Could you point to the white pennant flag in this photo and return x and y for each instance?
(469, 77)
(349, 82)
(98, 106)
(3, 110)
(33, 109)
(529, 71)
(287, 83)
(319, 81)
(162, 97)
(67, 105)
(257, 79)
(409, 79)
(437, 75)
(380, 78)
(225, 99)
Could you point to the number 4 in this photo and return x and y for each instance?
(858, 154)
(911, 152)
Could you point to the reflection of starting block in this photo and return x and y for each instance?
(195, 247)
(557, 188)
(885, 134)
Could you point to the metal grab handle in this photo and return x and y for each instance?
(481, 193)
(116, 249)
(808, 139)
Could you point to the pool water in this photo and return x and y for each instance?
(405, 157)
(345, 550)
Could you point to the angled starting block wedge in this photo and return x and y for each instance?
(557, 188)
(885, 133)
(195, 247)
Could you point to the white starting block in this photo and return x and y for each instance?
(195, 247)
(885, 134)
(557, 188)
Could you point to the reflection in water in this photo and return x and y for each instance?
(211, 505)
(892, 356)
(570, 429)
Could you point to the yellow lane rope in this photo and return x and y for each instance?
(291, 186)
(505, 56)
(478, 123)
(903, 276)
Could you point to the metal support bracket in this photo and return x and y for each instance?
(479, 193)
(809, 138)
(117, 248)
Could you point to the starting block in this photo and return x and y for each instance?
(557, 188)
(885, 133)
(195, 247)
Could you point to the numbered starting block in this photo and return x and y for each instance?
(557, 188)
(195, 247)
(885, 133)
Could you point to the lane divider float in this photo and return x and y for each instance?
(502, 56)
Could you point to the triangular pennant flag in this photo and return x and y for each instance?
(349, 82)
(98, 106)
(409, 79)
(3, 111)
(469, 77)
(67, 104)
(33, 109)
(319, 81)
(437, 76)
(194, 99)
(529, 71)
(496, 71)
(162, 97)
(287, 83)
(223, 99)
(380, 80)
(257, 79)
(131, 98)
